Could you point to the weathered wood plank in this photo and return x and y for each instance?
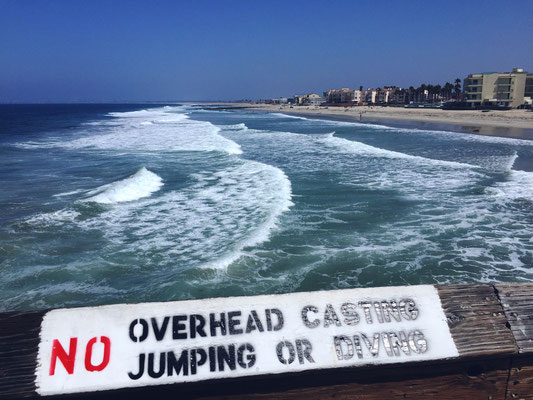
(521, 378)
(476, 320)
(517, 303)
(485, 380)
(19, 341)
(483, 331)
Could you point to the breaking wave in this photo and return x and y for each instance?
(141, 184)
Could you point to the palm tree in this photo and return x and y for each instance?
(448, 87)
(457, 89)
(411, 93)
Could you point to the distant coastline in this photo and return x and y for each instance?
(510, 123)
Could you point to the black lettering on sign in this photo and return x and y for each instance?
(346, 348)
(390, 308)
(214, 324)
(226, 356)
(178, 365)
(234, 323)
(254, 323)
(212, 359)
(330, 317)
(162, 361)
(250, 358)
(348, 310)
(290, 348)
(408, 309)
(366, 308)
(377, 309)
(195, 361)
(141, 368)
(144, 331)
(178, 327)
(343, 347)
(372, 347)
(197, 323)
(159, 332)
(399, 342)
(278, 314)
(417, 342)
(386, 343)
(357, 345)
(304, 348)
(305, 317)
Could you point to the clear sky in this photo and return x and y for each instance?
(55, 51)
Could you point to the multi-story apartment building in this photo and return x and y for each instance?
(343, 96)
(384, 95)
(504, 89)
(399, 96)
(308, 99)
(369, 96)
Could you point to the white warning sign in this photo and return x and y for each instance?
(118, 346)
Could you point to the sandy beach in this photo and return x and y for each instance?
(522, 119)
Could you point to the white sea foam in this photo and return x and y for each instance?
(462, 136)
(512, 159)
(71, 193)
(289, 116)
(518, 185)
(141, 184)
(367, 150)
(235, 127)
(207, 224)
(148, 130)
(66, 215)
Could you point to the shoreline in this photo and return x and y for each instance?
(517, 124)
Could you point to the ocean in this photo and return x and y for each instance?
(104, 204)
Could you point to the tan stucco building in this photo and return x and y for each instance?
(503, 89)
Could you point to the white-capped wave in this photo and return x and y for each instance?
(359, 148)
(278, 203)
(235, 127)
(141, 184)
(73, 192)
(518, 185)
(158, 129)
(288, 116)
(512, 159)
(207, 224)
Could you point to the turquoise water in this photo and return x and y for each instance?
(107, 204)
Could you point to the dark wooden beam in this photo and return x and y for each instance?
(491, 326)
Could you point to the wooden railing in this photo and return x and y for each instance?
(418, 342)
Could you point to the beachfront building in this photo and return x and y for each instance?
(369, 96)
(311, 99)
(499, 89)
(383, 95)
(399, 96)
(343, 96)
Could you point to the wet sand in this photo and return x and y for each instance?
(516, 124)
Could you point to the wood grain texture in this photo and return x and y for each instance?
(19, 342)
(517, 303)
(492, 327)
(521, 379)
(486, 380)
(477, 321)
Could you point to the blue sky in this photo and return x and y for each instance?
(55, 51)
